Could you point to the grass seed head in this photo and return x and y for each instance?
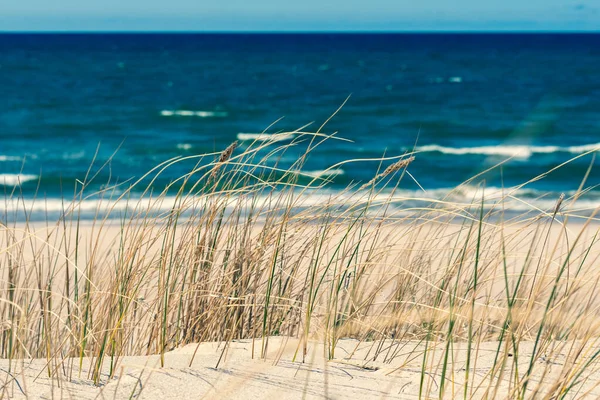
(398, 165)
(225, 155)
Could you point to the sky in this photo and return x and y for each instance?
(299, 15)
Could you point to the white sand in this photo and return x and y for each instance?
(239, 376)
(353, 373)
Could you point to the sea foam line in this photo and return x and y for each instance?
(15, 179)
(184, 146)
(513, 199)
(324, 172)
(10, 158)
(521, 151)
(264, 137)
(191, 113)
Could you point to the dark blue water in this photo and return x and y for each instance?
(466, 101)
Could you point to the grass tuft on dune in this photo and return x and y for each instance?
(245, 253)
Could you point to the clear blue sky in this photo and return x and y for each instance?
(299, 15)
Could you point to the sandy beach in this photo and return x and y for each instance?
(192, 372)
(392, 342)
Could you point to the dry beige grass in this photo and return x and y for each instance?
(245, 255)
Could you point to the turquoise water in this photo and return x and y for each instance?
(465, 102)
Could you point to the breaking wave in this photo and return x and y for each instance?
(520, 151)
(191, 113)
(264, 137)
(323, 173)
(15, 179)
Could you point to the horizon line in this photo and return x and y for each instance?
(303, 32)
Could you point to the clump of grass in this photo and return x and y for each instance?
(238, 248)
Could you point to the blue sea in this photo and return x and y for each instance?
(464, 102)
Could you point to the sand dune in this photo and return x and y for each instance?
(352, 374)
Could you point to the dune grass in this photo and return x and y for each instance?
(242, 248)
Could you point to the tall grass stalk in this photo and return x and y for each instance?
(247, 245)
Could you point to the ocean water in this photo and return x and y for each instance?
(465, 102)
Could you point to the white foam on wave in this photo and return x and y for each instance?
(403, 201)
(264, 137)
(10, 158)
(184, 146)
(584, 148)
(519, 151)
(91, 208)
(191, 113)
(509, 199)
(15, 179)
(518, 200)
(323, 173)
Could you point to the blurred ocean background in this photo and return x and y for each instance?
(464, 101)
